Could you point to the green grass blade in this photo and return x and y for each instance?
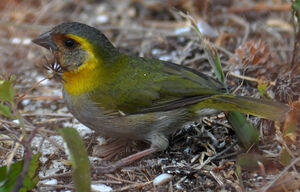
(79, 158)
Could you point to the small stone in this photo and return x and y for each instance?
(102, 18)
(162, 178)
(101, 188)
(26, 101)
(50, 182)
(15, 40)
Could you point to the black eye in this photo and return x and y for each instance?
(70, 43)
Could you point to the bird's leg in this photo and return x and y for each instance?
(158, 143)
(126, 161)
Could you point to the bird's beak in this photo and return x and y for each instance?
(45, 40)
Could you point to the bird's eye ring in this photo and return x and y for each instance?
(70, 43)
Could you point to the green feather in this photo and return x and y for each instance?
(142, 85)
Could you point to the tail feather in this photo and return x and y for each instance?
(267, 109)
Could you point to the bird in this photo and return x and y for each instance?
(137, 98)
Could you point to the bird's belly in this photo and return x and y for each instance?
(87, 113)
(135, 126)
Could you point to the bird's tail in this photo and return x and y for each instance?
(267, 109)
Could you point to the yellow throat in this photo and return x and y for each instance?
(84, 78)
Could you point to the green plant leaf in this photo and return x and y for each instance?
(290, 129)
(8, 180)
(238, 171)
(7, 91)
(246, 132)
(5, 110)
(296, 9)
(79, 158)
(249, 161)
(296, 5)
(215, 62)
(285, 157)
(262, 89)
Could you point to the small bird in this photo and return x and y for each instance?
(137, 98)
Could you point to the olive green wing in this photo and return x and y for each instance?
(147, 83)
(211, 95)
(181, 78)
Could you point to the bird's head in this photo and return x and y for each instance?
(75, 43)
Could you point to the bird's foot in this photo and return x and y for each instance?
(125, 161)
